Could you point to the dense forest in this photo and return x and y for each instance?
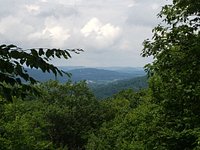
(102, 91)
(53, 115)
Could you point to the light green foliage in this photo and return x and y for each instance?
(22, 126)
(62, 117)
(129, 126)
(126, 131)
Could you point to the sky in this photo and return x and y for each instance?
(111, 32)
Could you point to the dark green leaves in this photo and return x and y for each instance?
(13, 61)
(175, 81)
(49, 53)
(41, 52)
(34, 53)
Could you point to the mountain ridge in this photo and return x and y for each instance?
(88, 74)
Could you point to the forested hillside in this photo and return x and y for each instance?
(103, 83)
(106, 90)
(67, 116)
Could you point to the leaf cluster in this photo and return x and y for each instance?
(13, 63)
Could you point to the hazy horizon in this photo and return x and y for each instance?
(99, 66)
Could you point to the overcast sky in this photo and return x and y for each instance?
(110, 31)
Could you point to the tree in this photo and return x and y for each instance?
(130, 126)
(175, 82)
(72, 113)
(62, 117)
(13, 61)
(23, 125)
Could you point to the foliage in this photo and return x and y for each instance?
(67, 116)
(129, 127)
(22, 126)
(62, 118)
(12, 67)
(73, 112)
(107, 90)
(175, 82)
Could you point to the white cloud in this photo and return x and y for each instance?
(109, 31)
(57, 33)
(32, 8)
(93, 26)
(53, 31)
(99, 34)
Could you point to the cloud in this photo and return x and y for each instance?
(32, 8)
(93, 26)
(144, 12)
(140, 15)
(14, 29)
(53, 31)
(57, 10)
(111, 32)
(100, 35)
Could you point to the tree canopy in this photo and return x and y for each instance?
(175, 48)
(174, 73)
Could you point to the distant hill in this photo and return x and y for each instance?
(103, 83)
(106, 90)
(132, 70)
(98, 75)
(91, 75)
(43, 77)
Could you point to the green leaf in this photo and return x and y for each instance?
(34, 52)
(49, 53)
(41, 52)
